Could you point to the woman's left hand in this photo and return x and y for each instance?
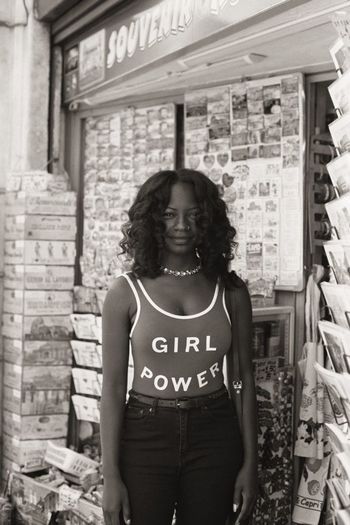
(246, 489)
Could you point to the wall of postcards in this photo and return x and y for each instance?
(336, 332)
(121, 150)
(248, 138)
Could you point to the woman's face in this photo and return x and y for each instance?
(180, 219)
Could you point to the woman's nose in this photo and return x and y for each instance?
(181, 223)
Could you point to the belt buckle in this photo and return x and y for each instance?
(180, 401)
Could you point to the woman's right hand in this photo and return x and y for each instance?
(115, 500)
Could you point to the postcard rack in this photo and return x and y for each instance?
(335, 331)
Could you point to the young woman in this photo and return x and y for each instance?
(176, 443)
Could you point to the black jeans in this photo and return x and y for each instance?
(188, 458)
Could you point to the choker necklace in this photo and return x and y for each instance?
(180, 273)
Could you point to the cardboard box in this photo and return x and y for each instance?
(38, 302)
(35, 427)
(40, 227)
(40, 252)
(38, 498)
(27, 402)
(2, 226)
(9, 466)
(38, 277)
(36, 180)
(21, 352)
(12, 325)
(42, 203)
(29, 455)
(37, 328)
(37, 377)
(86, 512)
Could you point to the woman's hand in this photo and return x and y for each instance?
(246, 489)
(115, 500)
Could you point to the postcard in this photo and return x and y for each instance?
(342, 516)
(340, 441)
(86, 382)
(340, 54)
(86, 354)
(339, 91)
(338, 211)
(337, 342)
(340, 132)
(86, 408)
(84, 325)
(336, 393)
(339, 172)
(341, 22)
(338, 255)
(338, 301)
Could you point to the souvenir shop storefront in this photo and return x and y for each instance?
(254, 94)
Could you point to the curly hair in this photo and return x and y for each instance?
(143, 234)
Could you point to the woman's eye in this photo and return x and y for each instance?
(168, 215)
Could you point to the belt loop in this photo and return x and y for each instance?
(155, 405)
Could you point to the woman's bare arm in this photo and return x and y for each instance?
(115, 356)
(246, 484)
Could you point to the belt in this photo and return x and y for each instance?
(181, 402)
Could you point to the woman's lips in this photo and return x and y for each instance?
(180, 240)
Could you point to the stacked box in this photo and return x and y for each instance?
(40, 230)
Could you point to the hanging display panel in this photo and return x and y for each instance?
(121, 150)
(248, 138)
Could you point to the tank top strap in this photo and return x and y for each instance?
(223, 295)
(132, 283)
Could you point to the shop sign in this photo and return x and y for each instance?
(139, 38)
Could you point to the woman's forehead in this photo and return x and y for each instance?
(182, 194)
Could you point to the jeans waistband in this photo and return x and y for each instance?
(181, 402)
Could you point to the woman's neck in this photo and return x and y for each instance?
(180, 262)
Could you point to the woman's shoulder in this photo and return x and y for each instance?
(120, 293)
(237, 291)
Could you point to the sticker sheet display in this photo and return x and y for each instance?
(121, 151)
(248, 138)
(275, 415)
